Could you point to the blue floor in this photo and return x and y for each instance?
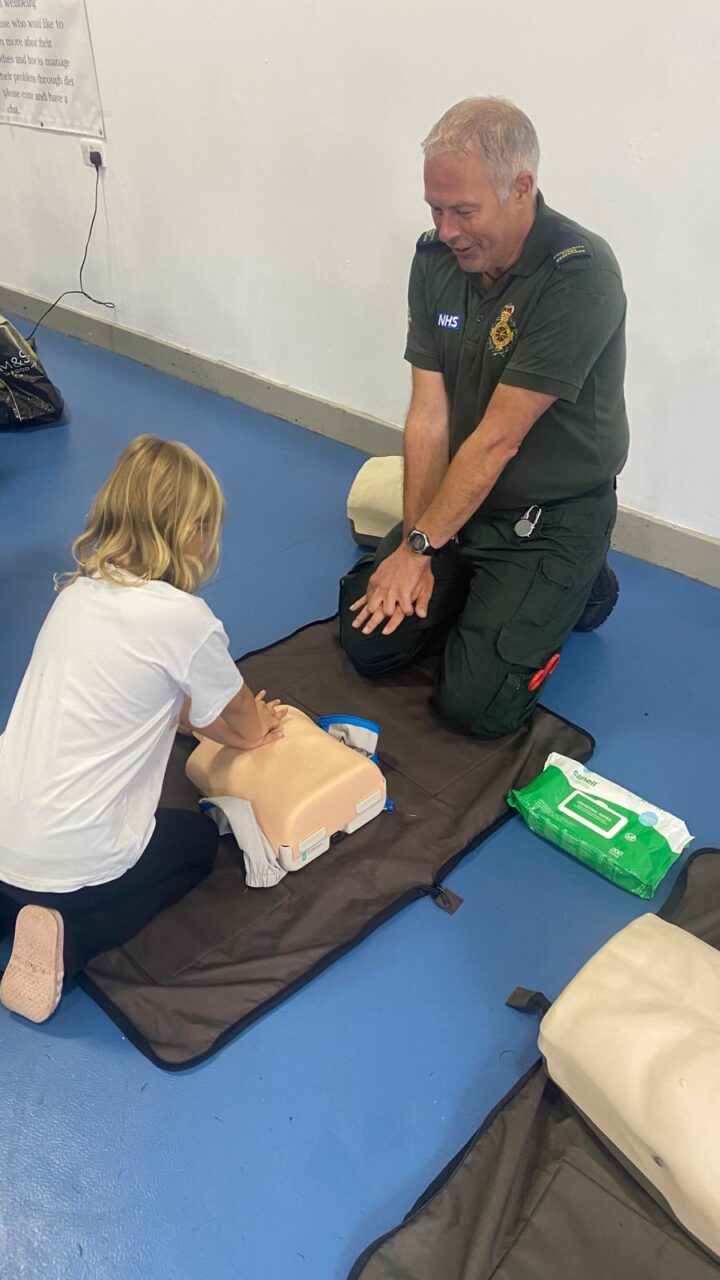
(285, 1155)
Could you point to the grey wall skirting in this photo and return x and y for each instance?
(643, 536)
(363, 432)
(669, 545)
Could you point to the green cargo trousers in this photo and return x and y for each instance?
(502, 605)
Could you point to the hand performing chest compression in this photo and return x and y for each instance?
(401, 586)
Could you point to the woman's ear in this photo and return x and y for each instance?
(195, 541)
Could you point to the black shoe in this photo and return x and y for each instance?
(603, 598)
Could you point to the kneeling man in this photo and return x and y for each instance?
(515, 434)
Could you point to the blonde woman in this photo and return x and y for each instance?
(126, 653)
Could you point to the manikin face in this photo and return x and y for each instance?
(484, 235)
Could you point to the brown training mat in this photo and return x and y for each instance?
(205, 969)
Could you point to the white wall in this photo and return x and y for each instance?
(263, 190)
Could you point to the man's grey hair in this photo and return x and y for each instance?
(496, 130)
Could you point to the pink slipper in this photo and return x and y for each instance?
(32, 982)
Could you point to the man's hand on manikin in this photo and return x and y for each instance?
(400, 587)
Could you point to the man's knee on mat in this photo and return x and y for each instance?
(371, 655)
(374, 654)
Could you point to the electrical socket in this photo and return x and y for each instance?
(87, 145)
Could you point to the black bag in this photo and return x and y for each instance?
(27, 396)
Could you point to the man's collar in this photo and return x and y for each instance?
(535, 249)
(537, 243)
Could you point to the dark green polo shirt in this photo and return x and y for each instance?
(554, 323)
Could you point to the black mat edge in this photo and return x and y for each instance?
(441, 1180)
(421, 891)
(680, 884)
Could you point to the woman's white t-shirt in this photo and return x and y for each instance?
(83, 756)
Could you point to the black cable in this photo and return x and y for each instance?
(81, 292)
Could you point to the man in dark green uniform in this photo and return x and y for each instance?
(515, 434)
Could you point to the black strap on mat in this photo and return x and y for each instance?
(205, 969)
(526, 1001)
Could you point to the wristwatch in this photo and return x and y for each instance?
(420, 543)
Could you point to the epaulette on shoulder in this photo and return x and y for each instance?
(429, 240)
(567, 247)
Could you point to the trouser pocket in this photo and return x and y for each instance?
(548, 612)
(540, 628)
(489, 664)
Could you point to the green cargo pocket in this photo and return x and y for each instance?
(511, 705)
(546, 614)
(538, 630)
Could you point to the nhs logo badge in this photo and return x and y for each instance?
(447, 321)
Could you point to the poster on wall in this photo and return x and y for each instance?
(47, 69)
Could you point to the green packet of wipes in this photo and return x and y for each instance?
(626, 839)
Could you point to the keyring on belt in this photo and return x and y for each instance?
(526, 525)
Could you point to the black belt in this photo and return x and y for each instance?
(526, 525)
(600, 490)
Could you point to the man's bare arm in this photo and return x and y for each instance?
(480, 461)
(426, 444)
(397, 588)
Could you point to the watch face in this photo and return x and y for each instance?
(417, 541)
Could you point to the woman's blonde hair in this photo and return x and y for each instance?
(159, 495)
